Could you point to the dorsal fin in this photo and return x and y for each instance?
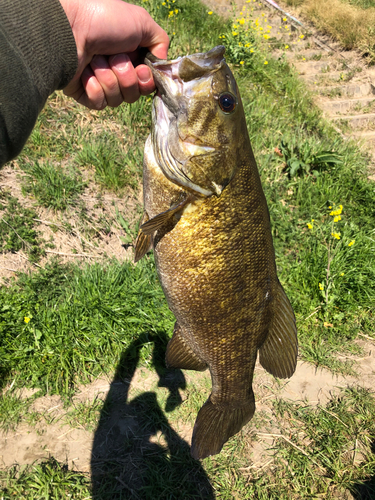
(278, 354)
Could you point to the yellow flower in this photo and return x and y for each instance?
(26, 319)
(265, 62)
(209, 13)
(284, 19)
(302, 36)
(242, 21)
(287, 46)
(251, 50)
(234, 33)
(336, 235)
(321, 287)
(337, 218)
(329, 207)
(176, 11)
(351, 243)
(342, 274)
(170, 13)
(266, 37)
(309, 225)
(242, 62)
(163, 3)
(235, 26)
(338, 211)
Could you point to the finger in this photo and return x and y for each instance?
(126, 75)
(107, 79)
(146, 82)
(154, 37)
(93, 96)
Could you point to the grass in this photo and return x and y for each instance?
(67, 324)
(51, 186)
(18, 228)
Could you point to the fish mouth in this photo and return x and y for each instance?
(175, 82)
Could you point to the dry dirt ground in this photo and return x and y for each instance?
(55, 434)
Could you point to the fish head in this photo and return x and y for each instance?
(198, 121)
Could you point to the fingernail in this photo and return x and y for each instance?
(121, 61)
(144, 74)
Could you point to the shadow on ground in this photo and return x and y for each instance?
(136, 454)
(365, 490)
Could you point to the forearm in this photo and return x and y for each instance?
(37, 56)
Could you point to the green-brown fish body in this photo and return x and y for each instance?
(207, 219)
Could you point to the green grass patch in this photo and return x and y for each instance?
(51, 185)
(50, 479)
(65, 324)
(18, 228)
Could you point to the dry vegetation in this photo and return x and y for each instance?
(351, 24)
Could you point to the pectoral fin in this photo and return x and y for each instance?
(160, 220)
(278, 354)
(143, 243)
(181, 355)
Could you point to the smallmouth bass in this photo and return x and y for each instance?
(206, 217)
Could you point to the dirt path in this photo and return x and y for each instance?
(59, 434)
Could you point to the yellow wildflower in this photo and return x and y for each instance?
(342, 274)
(336, 235)
(242, 21)
(321, 287)
(235, 26)
(266, 37)
(209, 13)
(309, 225)
(337, 218)
(351, 243)
(26, 319)
(163, 3)
(242, 62)
(284, 19)
(176, 11)
(234, 33)
(287, 46)
(302, 36)
(265, 62)
(251, 50)
(338, 211)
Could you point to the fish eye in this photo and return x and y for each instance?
(227, 102)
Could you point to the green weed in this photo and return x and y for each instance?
(113, 169)
(51, 185)
(50, 479)
(17, 228)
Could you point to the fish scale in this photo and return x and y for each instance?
(213, 247)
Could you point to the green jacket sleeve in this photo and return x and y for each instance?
(37, 56)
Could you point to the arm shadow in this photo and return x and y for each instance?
(136, 453)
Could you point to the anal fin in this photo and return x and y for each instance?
(143, 243)
(181, 355)
(278, 353)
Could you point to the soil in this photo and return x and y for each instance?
(55, 434)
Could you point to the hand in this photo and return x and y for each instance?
(107, 34)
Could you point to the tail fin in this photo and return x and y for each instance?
(215, 425)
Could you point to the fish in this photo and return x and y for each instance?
(207, 221)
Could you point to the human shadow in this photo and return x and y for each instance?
(365, 490)
(136, 454)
